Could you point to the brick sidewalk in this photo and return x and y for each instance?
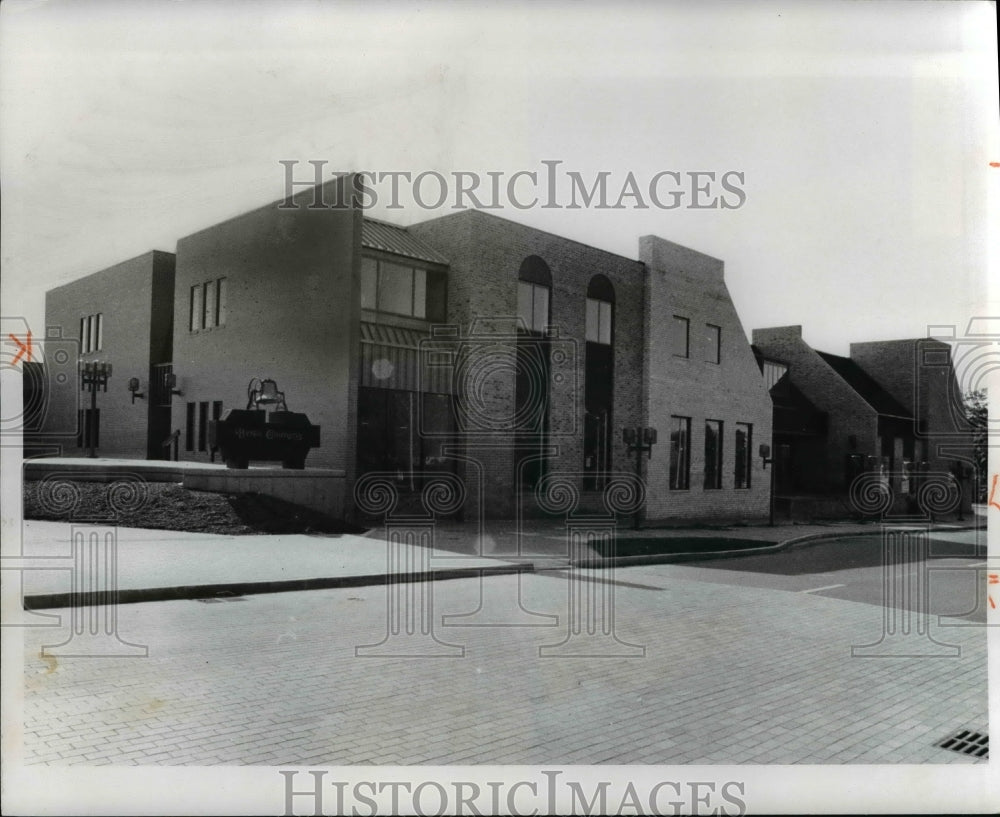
(731, 674)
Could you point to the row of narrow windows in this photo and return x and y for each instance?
(420, 293)
(92, 333)
(208, 305)
(714, 442)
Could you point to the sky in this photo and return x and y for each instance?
(863, 133)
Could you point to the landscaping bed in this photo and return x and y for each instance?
(168, 506)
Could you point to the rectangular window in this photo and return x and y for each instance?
(713, 343)
(533, 306)
(189, 428)
(713, 454)
(743, 458)
(680, 336)
(395, 289)
(209, 304)
(197, 309)
(598, 321)
(437, 299)
(83, 335)
(402, 290)
(100, 331)
(220, 302)
(680, 455)
(203, 426)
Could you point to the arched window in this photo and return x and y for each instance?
(533, 288)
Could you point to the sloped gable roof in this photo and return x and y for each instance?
(380, 235)
(868, 389)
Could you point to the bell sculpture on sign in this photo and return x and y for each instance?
(261, 432)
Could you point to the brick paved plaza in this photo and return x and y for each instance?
(730, 673)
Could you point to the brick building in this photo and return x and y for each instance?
(891, 406)
(119, 314)
(466, 344)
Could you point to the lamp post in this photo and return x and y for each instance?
(765, 455)
(639, 439)
(93, 376)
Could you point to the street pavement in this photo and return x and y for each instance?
(699, 663)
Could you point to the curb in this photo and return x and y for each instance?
(47, 601)
(698, 556)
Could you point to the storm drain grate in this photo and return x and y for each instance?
(967, 742)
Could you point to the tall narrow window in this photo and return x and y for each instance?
(100, 331)
(598, 321)
(744, 445)
(419, 309)
(221, 302)
(713, 341)
(203, 426)
(209, 305)
(713, 454)
(533, 305)
(680, 454)
(680, 336)
(197, 313)
(531, 382)
(598, 427)
(189, 428)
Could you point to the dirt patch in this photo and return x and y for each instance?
(168, 506)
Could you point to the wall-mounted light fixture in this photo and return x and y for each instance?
(133, 387)
(170, 381)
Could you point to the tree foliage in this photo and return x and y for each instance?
(977, 415)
